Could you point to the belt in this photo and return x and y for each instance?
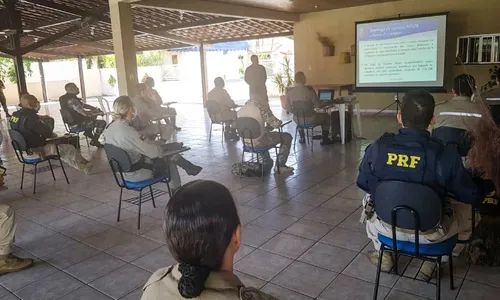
(408, 231)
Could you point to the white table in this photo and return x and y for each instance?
(341, 106)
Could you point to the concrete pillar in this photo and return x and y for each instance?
(204, 77)
(82, 80)
(124, 46)
(42, 80)
(18, 65)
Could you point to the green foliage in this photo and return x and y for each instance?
(285, 78)
(90, 62)
(106, 61)
(8, 70)
(150, 59)
(494, 74)
(112, 80)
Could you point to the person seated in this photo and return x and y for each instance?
(263, 114)
(493, 93)
(413, 156)
(170, 112)
(84, 115)
(205, 260)
(146, 155)
(148, 110)
(219, 97)
(36, 133)
(303, 93)
(484, 158)
(463, 89)
(145, 113)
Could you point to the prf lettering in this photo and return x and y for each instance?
(403, 160)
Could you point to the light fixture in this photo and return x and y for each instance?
(181, 15)
(92, 30)
(36, 39)
(316, 6)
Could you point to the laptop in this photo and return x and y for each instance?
(326, 96)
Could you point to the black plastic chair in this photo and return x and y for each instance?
(454, 136)
(120, 163)
(69, 123)
(417, 207)
(19, 144)
(213, 109)
(249, 129)
(303, 110)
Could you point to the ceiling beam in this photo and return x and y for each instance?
(50, 39)
(103, 18)
(68, 40)
(57, 22)
(9, 52)
(200, 23)
(222, 9)
(248, 37)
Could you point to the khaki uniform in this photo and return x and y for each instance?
(307, 94)
(7, 229)
(222, 98)
(69, 154)
(219, 285)
(459, 104)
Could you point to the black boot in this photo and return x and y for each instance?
(302, 135)
(326, 139)
(189, 167)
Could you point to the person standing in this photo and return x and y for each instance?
(3, 100)
(256, 77)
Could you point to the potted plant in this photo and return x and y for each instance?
(284, 80)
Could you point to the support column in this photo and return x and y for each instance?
(204, 79)
(42, 80)
(82, 80)
(18, 64)
(124, 46)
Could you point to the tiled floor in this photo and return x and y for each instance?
(301, 235)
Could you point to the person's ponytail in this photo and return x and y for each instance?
(192, 282)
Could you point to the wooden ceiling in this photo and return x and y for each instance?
(156, 27)
(302, 6)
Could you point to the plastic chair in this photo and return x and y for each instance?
(120, 163)
(213, 109)
(417, 207)
(19, 144)
(249, 129)
(69, 125)
(105, 107)
(303, 110)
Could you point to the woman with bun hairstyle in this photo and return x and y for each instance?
(203, 233)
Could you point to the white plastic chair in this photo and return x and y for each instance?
(105, 107)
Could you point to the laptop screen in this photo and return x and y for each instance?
(326, 95)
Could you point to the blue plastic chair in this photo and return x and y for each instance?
(417, 207)
(19, 144)
(249, 129)
(302, 111)
(120, 162)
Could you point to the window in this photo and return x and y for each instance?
(175, 60)
(478, 49)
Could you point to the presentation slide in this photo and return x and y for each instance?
(401, 53)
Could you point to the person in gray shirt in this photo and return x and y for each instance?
(141, 150)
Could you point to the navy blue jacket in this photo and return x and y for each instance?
(413, 156)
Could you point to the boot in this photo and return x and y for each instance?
(13, 264)
(387, 261)
(326, 139)
(302, 135)
(186, 165)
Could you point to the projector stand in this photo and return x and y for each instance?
(396, 102)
